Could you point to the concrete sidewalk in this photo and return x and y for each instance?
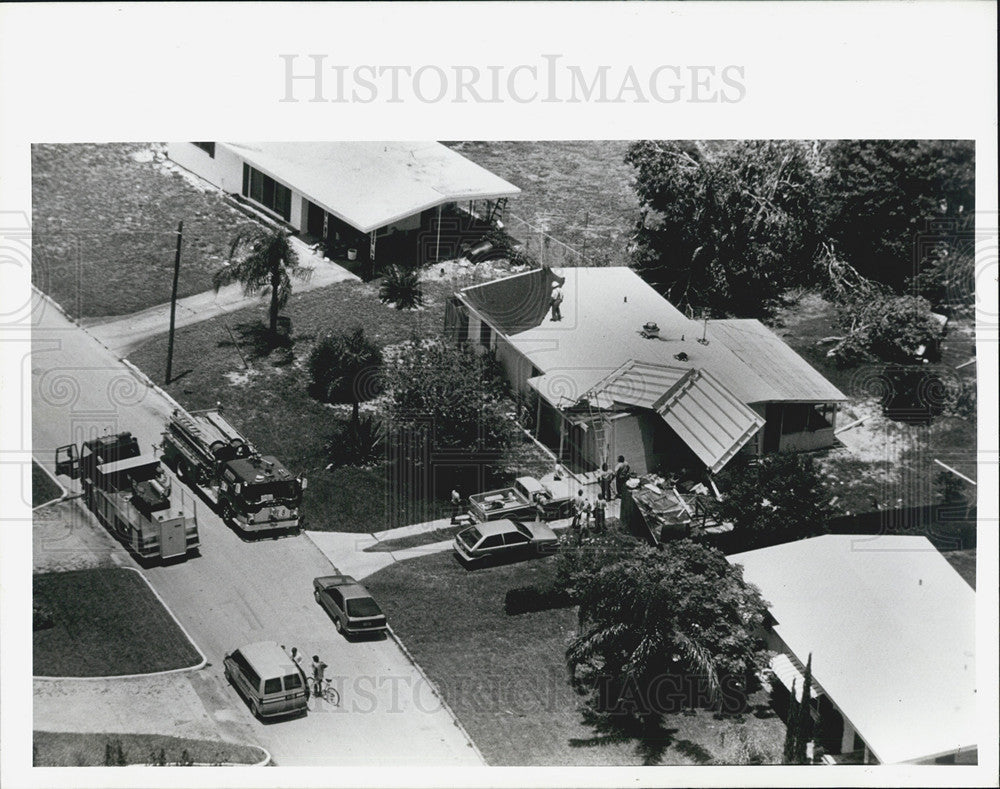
(123, 334)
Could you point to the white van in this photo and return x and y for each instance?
(272, 683)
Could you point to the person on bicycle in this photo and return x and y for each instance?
(318, 667)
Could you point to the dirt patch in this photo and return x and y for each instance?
(64, 537)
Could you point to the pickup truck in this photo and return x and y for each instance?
(518, 501)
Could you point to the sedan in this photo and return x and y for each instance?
(353, 610)
(505, 537)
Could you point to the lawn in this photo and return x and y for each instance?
(43, 487)
(218, 361)
(578, 191)
(505, 676)
(964, 563)
(71, 749)
(108, 213)
(106, 622)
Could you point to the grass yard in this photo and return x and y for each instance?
(964, 563)
(71, 749)
(43, 487)
(505, 676)
(108, 213)
(578, 191)
(218, 361)
(107, 622)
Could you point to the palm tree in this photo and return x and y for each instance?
(264, 262)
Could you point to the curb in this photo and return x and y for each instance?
(58, 484)
(197, 667)
(444, 704)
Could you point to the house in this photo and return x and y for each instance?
(355, 195)
(626, 373)
(891, 629)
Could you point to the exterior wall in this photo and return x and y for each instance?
(297, 217)
(224, 171)
(517, 368)
(630, 437)
(805, 441)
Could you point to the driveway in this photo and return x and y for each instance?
(238, 592)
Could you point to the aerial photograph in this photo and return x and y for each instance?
(534, 453)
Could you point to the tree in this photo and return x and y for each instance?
(662, 628)
(264, 262)
(726, 228)
(791, 728)
(880, 326)
(345, 367)
(777, 498)
(803, 727)
(881, 196)
(446, 399)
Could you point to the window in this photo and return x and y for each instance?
(494, 541)
(272, 685)
(269, 193)
(207, 147)
(293, 681)
(485, 334)
(515, 538)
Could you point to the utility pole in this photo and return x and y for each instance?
(173, 301)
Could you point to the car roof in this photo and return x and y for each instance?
(326, 581)
(489, 528)
(267, 658)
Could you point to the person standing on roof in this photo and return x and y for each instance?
(556, 301)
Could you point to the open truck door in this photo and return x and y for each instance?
(67, 461)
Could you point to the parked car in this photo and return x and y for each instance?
(349, 604)
(267, 677)
(503, 538)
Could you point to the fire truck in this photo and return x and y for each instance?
(132, 495)
(254, 493)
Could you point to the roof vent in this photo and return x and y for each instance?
(650, 331)
(681, 357)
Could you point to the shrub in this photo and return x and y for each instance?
(401, 288)
(527, 599)
(358, 442)
(577, 563)
(345, 368)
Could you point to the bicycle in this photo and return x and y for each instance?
(328, 692)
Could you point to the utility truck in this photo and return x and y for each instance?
(132, 495)
(519, 501)
(253, 493)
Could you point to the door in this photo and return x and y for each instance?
(314, 221)
(67, 462)
(173, 540)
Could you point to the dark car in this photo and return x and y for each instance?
(505, 537)
(353, 610)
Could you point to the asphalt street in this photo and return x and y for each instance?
(237, 592)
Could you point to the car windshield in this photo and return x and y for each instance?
(523, 529)
(363, 606)
(470, 537)
(282, 490)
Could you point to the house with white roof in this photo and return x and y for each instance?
(624, 372)
(352, 194)
(891, 629)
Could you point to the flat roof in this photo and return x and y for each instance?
(791, 376)
(892, 631)
(370, 184)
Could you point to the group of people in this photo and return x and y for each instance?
(317, 671)
(586, 511)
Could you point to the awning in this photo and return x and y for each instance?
(708, 418)
(788, 672)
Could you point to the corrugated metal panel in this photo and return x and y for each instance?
(641, 384)
(709, 418)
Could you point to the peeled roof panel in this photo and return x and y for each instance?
(709, 419)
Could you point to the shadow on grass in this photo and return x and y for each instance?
(255, 340)
(650, 735)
